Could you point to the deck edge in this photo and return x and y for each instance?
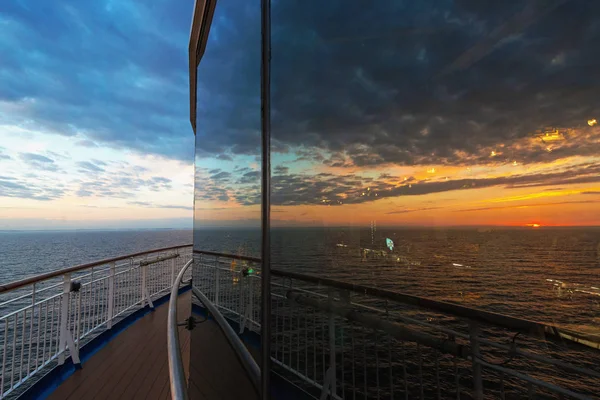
(55, 377)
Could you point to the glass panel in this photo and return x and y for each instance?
(227, 175)
(227, 197)
(443, 150)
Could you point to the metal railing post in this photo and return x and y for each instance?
(111, 295)
(173, 271)
(65, 337)
(474, 332)
(330, 384)
(217, 280)
(144, 287)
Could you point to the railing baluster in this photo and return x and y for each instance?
(314, 344)
(404, 374)
(31, 328)
(217, 285)
(437, 374)
(111, 295)
(377, 362)
(14, 355)
(47, 303)
(4, 347)
(456, 378)
(421, 393)
(391, 367)
(78, 335)
(353, 364)
(22, 345)
(39, 330)
(305, 345)
(474, 332)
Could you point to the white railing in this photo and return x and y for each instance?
(340, 340)
(48, 318)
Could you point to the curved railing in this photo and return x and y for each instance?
(176, 373)
(348, 340)
(46, 319)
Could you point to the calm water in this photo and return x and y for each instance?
(548, 275)
(23, 254)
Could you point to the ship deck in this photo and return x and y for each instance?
(133, 365)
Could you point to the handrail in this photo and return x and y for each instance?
(28, 281)
(519, 324)
(176, 372)
(502, 320)
(236, 343)
(226, 255)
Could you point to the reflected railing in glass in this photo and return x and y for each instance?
(351, 341)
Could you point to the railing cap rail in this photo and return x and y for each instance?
(42, 277)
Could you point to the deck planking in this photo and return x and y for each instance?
(133, 365)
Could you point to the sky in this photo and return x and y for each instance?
(435, 113)
(94, 120)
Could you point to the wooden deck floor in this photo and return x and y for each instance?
(133, 365)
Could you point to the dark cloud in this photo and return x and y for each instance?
(221, 176)
(119, 185)
(36, 158)
(72, 64)
(529, 205)
(410, 210)
(420, 82)
(280, 170)
(250, 177)
(9, 187)
(39, 162)
(152, 205)
(3, 155)
(86, 143)
(87, 166)
(327, 189)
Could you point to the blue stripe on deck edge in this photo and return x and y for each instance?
(54, 378)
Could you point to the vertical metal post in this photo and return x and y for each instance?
(332, 363)
(144, 288)
(65, 337)
(111, 295)
(217, 284)
(31, 328)
(172, 271)
(475, 357)
(64, 311)
(265, 99)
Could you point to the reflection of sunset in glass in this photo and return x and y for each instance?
(460, 137)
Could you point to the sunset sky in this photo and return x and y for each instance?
(432, 113)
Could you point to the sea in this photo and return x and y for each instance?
(549, 275)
